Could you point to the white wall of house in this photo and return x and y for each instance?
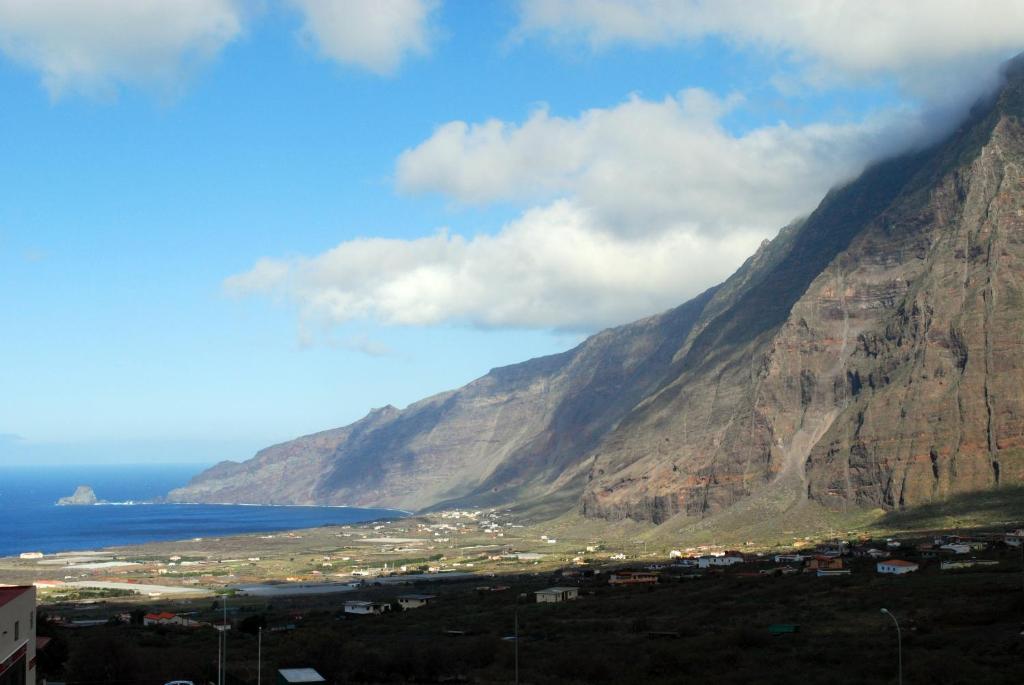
(897, 570)
(18, 631)
(557, 595)
(367, 608)
(707, 562)
(412, 602)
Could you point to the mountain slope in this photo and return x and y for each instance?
(819, 382)
(867, 356)
(515, 427)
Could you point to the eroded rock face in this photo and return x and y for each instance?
(941, 402)
(894, 377)
(870, 355)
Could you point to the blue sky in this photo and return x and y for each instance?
(264, 219)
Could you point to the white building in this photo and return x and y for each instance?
(896, 566)
(557, 594)
(359, 607)
(415, 601)
(788, 558)
(17, 635)
(723, 560)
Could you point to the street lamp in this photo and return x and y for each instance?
(899, 644)
(516, 633)
(259, 657)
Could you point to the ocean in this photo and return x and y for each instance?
(30, 521)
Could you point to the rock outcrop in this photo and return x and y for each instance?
(84, 496)
(870, 355)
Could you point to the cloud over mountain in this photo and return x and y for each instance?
(651, 166)
(551, 268)
(926, 44)
(628, 211)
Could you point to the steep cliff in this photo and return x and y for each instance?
(503, 436)
(877, 364)
(870, 355)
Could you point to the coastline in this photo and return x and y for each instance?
(54, 529)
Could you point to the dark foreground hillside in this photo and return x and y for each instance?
(958, 627)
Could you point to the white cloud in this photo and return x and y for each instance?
(634, 208)
(93, 46)
(552, 268)
(375, 35)
(649, 166)
(926, 43)
(641, 206)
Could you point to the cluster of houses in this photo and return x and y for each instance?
(166, 618)
(359, 607)
(830, 558)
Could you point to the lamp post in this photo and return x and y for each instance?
(259, 657)
(899, 645)
(220, 652)
(1021, 561)
(516, 635)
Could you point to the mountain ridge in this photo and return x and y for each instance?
(786, 376)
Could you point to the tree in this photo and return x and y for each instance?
(252, 624)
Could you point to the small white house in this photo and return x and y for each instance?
(787, 558)
(726, 559)
(415, 601)
(957, 548)
(359, 607)
(896, 567)
(1014, 538)
(557, 594)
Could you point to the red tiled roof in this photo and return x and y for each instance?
(897, 562)
(9, 593)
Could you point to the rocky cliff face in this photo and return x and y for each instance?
(869, 355)
(877, 363)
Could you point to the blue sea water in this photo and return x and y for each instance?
(30, 521)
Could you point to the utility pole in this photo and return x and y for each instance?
(899, 645)
(220, 654)
(224, 638)
(259, 657)
(516, 635)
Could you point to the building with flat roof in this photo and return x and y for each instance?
(631, 577)
(414, 601)
(359, 607)
(896, 567)
(557, 594)
(290, 676)
(17, 635)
